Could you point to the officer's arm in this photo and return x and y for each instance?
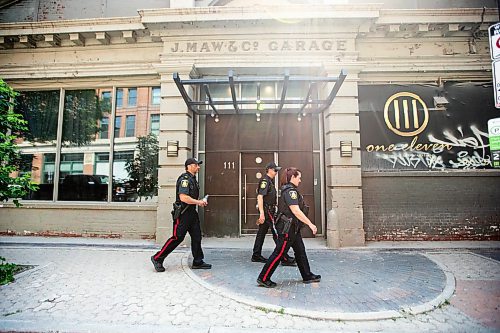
(260, 204)
(190, 201)
(303, 218)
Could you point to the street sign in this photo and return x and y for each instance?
(494, 137)
(495, 69)
(494, 33)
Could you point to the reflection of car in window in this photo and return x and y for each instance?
(103, 178)
(83, 188)
(123, 191)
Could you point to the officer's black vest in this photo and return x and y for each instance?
(194, 189)
(282, 205)
(270, 198)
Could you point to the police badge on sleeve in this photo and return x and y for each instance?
(293, 195)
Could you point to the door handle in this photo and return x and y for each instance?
(245, 197)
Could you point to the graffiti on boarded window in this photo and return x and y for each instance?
(425, 127)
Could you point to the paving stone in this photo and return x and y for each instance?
(87, 285)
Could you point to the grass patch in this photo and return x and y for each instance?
(7, 271)
(11, 313)
(267, 310)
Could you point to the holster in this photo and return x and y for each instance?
(177, 210)
(283, 223)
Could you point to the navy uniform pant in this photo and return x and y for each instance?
(261, 235)
(283, 244)
(187, 222)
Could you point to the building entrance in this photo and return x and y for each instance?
(237, 148)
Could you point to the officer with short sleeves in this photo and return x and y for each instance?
(266, 202)
(290, 219)
(185, 218)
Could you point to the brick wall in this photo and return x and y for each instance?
(459, 205)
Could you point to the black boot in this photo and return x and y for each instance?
(312, 278)
(267, 283)
(157, 264)
(259, 258)
(202, 265)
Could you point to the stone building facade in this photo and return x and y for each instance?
(412, 113)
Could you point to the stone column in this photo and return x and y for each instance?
(343, 174)
(176, 123)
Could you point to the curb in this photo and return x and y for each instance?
(344, 316)
(79, 245)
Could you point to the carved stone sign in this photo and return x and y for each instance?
(249, 46)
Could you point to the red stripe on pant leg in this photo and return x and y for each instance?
(174, 237)
(274, 261)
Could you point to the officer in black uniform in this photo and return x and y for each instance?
(289, 220)
(266, 202)
(185, 218)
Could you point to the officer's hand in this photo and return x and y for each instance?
(261, 219)
(313, 228)
(202, 203)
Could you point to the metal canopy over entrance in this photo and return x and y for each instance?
(237, 146)
(234, 101)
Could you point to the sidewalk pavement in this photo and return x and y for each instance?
(102, 285)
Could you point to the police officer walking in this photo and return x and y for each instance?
(290, 218)
(185, 218)
(266, 202)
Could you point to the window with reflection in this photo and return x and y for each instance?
(104, 128)
(221, 92)
(155, 95)
(154, 127)
(85, 161)
(83, 139)
(132, 97)
(135, 174)
(119, 98)
(118, 126)
(130, 126)
(38, 145)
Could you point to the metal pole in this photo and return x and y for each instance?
(498, 7)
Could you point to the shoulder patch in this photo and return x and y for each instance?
(263, 184)
(293, 195)
(184, 183)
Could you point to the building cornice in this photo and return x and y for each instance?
(278, 13)
(449, 15)
(71, 26)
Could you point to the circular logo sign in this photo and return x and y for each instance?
(406, 114)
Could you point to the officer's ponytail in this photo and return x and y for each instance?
(287, 174)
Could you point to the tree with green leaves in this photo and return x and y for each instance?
(143, 169)
(82, 111)
(12, 125)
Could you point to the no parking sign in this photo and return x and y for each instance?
(494, 32)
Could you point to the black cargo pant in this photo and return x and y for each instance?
(187, 222)
(283, 244)
(261, 234)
